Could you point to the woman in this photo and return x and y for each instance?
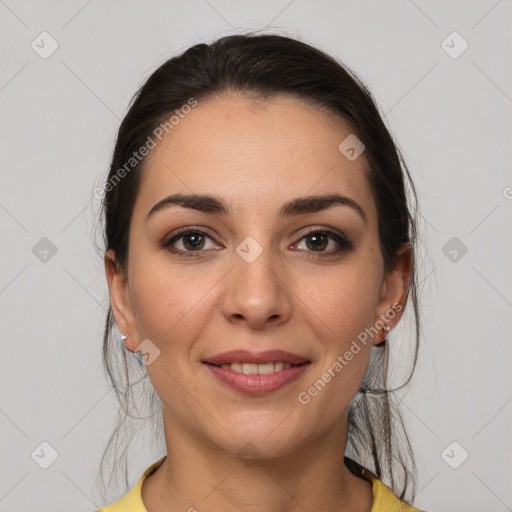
(259, 248)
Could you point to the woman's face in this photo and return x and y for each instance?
(250, 279)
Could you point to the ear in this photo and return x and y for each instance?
(393, 291)
(120, 300)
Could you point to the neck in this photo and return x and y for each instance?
(198, 476)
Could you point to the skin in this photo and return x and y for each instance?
(255, 156)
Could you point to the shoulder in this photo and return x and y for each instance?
(132, 501)
(384, 499)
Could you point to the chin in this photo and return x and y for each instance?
(268, 442)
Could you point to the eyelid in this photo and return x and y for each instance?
(184, 231)
(324, 229)
(339, 237)
(168, 242)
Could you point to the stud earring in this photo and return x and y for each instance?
(123, 338)
(386, 330)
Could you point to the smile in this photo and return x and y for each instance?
(257, 379)
(261, 369)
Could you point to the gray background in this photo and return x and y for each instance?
(452, 119)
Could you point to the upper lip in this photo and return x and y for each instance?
(246, 356)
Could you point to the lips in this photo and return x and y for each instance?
(257, 383)
(257, 373)
(247, 357)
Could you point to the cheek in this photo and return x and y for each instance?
(170, 304)
(172, 310)
(340, 304)
(337, 311)
(160, 294)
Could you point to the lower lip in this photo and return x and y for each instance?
(257, 384)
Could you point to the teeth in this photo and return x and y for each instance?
(250, 369)
(264, 369)
(253, 369)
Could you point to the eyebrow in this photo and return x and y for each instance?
(215, 205)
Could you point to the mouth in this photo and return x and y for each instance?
(257, 373)
(257, 369)
(246, 357)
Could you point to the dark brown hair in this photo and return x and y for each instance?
(262, 66)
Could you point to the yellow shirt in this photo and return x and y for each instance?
(384, 500)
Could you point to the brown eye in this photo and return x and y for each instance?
(320, 239)
(192, 241)
(317, 242)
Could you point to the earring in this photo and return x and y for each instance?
(123, 338)
(386, 330)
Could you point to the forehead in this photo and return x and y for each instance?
(254, 153)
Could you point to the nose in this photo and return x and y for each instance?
(256, 292)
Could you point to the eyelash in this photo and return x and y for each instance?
(343, 243)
